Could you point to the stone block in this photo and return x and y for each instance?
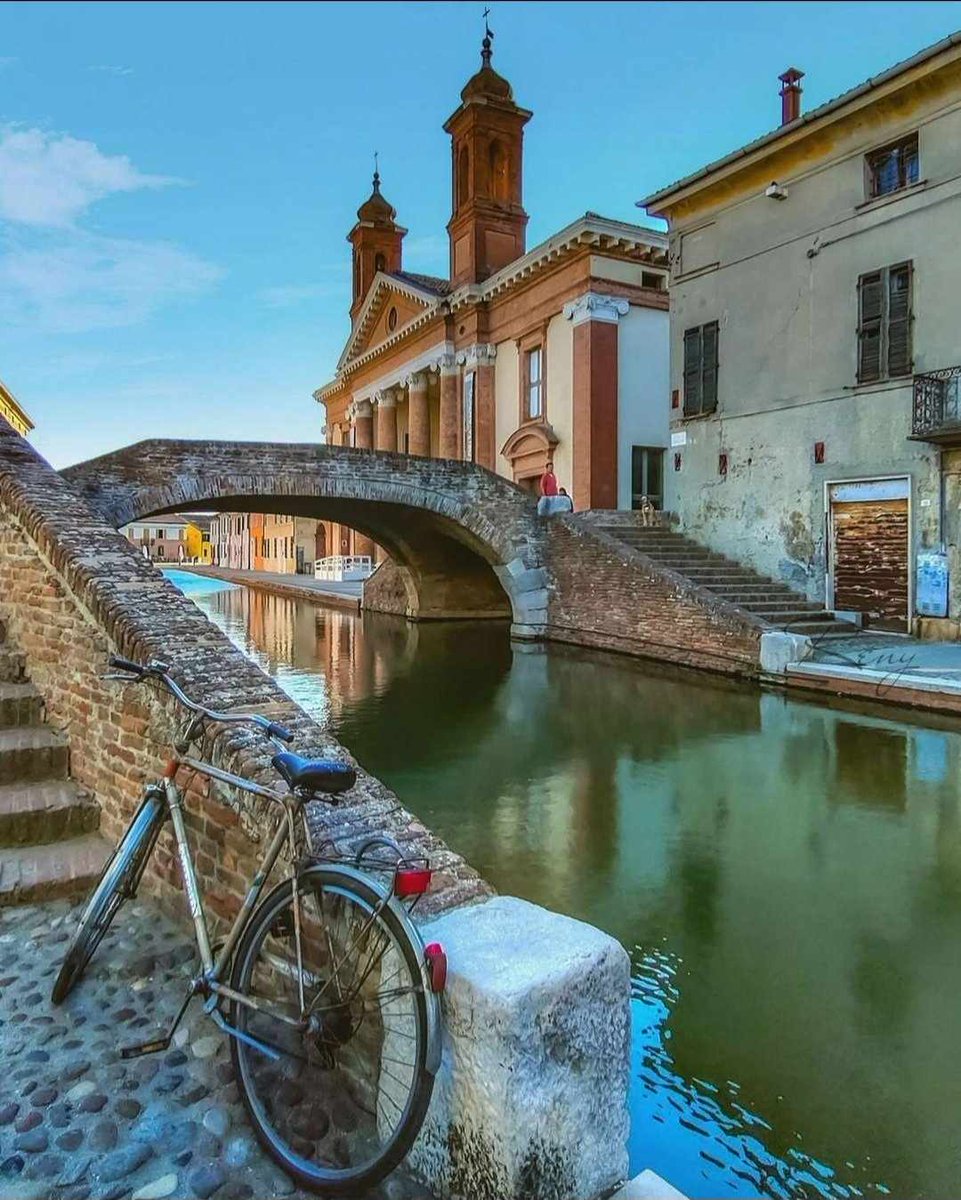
(531, 1096)
(780, 650)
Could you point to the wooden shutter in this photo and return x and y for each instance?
(709, 367)
(692, 371)
(870, 310)
(899, 320)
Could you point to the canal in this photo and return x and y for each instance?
(786, 877)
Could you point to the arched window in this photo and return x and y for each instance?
(356, 273)
(499, 175)
(380, 263)
(463, 171)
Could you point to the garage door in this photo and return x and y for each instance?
(870, 543)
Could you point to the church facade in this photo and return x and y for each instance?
(520, 357)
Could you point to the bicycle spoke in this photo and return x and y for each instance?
(340, 1099)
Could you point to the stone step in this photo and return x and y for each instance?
(812, 628)
(36, 813)
(11, 666)
(20, 704)
(791, 616)
(781, 607)
(680, 562)
(722, 576)
(62, 869)
(32, 753)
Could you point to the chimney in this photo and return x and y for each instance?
(790, 95)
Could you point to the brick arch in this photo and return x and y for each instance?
(466, 542)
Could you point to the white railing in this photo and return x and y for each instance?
(340, 568)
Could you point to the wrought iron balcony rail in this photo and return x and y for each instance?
(937, 413)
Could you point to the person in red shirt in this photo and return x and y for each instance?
(549, 481)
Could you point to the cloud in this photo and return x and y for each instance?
(288, 295)
(82, 282)
(107, 70)
(51, 179)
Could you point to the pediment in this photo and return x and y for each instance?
(375, 324)
(536, 438)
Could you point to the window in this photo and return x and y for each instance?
(499, 173)
(893, 167)
(468, 439)
(647, 475)
(700, 369)
(380, 263)
(650, 279)
(534, 383)
(884, 323)
(463, 173)
(392, 320)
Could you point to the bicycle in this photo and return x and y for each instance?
(325, 989)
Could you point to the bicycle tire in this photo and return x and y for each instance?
(118, 880)
(330, 1181)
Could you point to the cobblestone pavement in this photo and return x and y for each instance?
(76, 1120)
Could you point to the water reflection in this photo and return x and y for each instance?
(788, 877)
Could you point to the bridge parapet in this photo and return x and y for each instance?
(73, 590)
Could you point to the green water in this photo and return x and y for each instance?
(786, 877)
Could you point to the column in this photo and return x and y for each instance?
(386, 420)
(450, 414)
(362, 420)
(595, 430)
(418, 415)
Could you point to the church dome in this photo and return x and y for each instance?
(487, 83)
(376, 207)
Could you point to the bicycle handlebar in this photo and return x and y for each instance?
(158, 670)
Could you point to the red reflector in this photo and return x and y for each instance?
(436, 966)
(411, 881)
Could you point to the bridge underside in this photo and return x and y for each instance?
(443, 575)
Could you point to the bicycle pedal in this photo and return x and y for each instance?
(153, 1047)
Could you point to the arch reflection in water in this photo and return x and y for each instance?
(787, 876)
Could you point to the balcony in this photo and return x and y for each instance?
(937, 414)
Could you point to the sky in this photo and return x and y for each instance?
(177, 180)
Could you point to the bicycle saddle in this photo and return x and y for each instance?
(314, 774)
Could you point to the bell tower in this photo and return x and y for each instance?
(377, 241)
(488, 222)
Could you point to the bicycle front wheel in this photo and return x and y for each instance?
(118, 880)
(336, 1087)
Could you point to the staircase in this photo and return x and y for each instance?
(49, 845)
(777, 604)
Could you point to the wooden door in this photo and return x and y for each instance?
(870, 546)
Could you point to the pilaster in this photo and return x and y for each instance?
(450, 418)
(418, 415)
(595, 385)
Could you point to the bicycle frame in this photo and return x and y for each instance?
(214, 968)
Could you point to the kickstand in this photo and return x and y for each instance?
(159, 1043)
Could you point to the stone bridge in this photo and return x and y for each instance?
(466, 542)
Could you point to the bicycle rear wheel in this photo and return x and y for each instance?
(336, 1100)
(118, 881)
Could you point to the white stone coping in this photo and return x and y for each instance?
(647, 1186)
(889, 679)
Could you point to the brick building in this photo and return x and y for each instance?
(519, 356)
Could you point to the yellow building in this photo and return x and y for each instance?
(197, 538)
(10, 409)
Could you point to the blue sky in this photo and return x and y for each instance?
(176, 180)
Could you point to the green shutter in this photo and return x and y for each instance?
(899, 320)
(870, 309)
(692, 371)
(709, 337)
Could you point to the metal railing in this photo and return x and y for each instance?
(342, 567)
(936, 408)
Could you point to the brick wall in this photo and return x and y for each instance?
(605, 595)
(72, 590)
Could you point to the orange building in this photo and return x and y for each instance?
(519, 357)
